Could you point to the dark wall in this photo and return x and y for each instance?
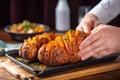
(4, 12)
(41, 11)
(26, 9)
(116, 21)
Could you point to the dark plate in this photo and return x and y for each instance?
(50, 70)
(21, 36)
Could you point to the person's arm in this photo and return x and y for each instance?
(106, 10)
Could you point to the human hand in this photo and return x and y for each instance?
(89, 22)
(102, 41)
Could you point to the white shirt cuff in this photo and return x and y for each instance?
(106, 10)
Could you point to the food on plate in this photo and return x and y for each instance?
(27, 27)
(64, 49)
(30, 46)
(54, 49)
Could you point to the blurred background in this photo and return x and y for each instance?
(41, 11)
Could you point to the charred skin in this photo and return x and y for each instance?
(52, 49)
(29, 49)
(64, 49)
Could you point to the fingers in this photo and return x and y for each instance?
(79, 28)
(85, 27)
(89, 40)
(92, 50)
(89, 22)
(103, 53)
(97, 23)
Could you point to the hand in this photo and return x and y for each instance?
(89, 22)
(102, 41)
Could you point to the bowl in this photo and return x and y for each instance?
(17, 36)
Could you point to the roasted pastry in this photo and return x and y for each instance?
(64, 49)
(30, 46)
(52, 49)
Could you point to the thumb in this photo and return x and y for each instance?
(87, 28)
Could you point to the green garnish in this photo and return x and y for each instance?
(27, 25)
(35, 65)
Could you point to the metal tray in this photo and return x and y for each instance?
(50, 70)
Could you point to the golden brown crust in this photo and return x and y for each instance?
(52, 49)
(64, 49)
(29, 49)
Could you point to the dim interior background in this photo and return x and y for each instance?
(41, 11)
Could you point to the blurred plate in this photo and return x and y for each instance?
(21, 36)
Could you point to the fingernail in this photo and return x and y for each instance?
(80, 46)
(80, 54)
(86, 29)
(82, 58)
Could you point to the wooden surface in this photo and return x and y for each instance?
(23, 74)
(14, 69)
(110, 71)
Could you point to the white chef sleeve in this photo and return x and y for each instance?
(106, 10)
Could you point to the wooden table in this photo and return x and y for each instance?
(109, 75)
